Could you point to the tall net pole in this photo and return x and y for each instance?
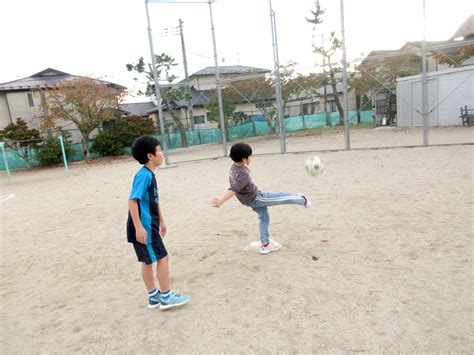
(424, 83)
(347, 138)
(277, 81)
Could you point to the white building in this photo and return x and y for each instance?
(448, 91)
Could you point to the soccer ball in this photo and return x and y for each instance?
(314, 166)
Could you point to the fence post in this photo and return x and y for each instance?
(64, 155)
(9, 177)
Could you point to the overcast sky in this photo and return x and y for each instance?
(98, 37)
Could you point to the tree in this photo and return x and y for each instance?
(120, 133)
(20, 138)
(261, 91)
(328, 53)
(86, 102)
(170, 95)
(228, 108)
(375, 74)
(456, 59)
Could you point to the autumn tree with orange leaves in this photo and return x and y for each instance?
(86, 102)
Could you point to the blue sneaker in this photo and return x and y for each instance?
(154, 301)
(173, 300)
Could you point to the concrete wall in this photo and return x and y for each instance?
(5, 118)
(448, 90)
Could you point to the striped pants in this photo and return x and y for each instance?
(266, 199)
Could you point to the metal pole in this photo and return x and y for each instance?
(9, 177)
(328, 121)
(63, 151)
(186, 77)
(218, 84)
(277, 80)
(424, 84)
(157, 89)
(347, 138)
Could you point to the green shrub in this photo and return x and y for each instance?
(50, 152)
(107, 144)
(120, 133)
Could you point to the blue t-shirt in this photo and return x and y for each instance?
(145, 191)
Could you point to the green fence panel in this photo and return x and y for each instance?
(174, 140)
(317, 120)
(14, 161)
(261, 128)
(241, 131)
(294, 124)
(194, 137)
(210, 135)
(205, 136)
(78, 153)
(366, 117)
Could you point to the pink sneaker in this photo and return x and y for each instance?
(272, 246)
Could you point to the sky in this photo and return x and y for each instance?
(98, 38)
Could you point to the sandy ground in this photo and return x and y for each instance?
(381, 263)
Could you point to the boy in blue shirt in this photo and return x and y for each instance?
(146, 226)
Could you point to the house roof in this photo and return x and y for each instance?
(138, 108)
(466, 30)
(47, 78)
(199, 98)
(232, 69)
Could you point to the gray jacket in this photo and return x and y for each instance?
(241, 183)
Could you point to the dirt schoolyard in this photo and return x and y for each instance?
(382, 262)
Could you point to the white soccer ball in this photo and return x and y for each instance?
(314, 165)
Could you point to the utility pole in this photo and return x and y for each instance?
(164, 142)
(186, 77)
(218, 84)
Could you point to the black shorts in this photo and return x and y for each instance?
(150, 253)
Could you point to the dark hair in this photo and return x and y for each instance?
(240, 151)
(142, 146)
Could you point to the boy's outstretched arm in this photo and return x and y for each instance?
(139, 230)
(217, 202)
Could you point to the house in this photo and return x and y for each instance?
(321, 99)
(203, 90)
(140, 109)
(465, 31)
(24, 98)
(204, 79)
(388, 65)
(20, 98)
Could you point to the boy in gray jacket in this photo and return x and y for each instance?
(248, 194)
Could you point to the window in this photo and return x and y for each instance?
(30, 99)
(199, 120)
(331, 106)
